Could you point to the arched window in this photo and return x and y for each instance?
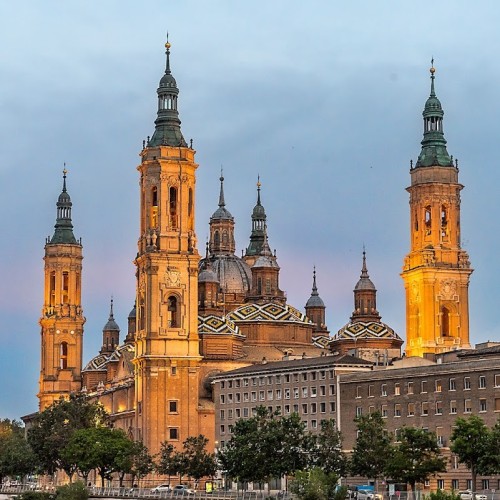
(444, 221)
(173, 312)
(63, 356)
(445, 322)
(173, 207)
(142, 319)
(259, 286)
(216, 240)
(427, 219)
(65, 287)
(154, 207)
(52, 288)
(225, 238)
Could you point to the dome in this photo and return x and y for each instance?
(64, 198)
(315, 301)
(167, 80)
(258, 212)
(364, 283)
(133, 313)
(207, 276)
(111, 325)
(266, 261)
(366, 330)
(232, 272)
(222, 213)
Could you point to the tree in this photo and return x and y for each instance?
(165, 463)
(194, 460)
(469, 441)
(490, 460)
(266, 446)
(372, 448)
(52, 429)
(415, 457)
(142, 461)
(16, 456)
(315, 484)
(328, 452)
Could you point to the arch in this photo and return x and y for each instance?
(216, 240)
(52, 292)
(154, 207)
(445, 322)
(173, 308)
(172, 192)
(65, 287)
(427, 219)
(63, 355)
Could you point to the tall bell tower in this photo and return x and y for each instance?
(167, 346)
(62, 315)
(436, 272)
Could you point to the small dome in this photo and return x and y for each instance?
(364, 283)
(111, 325)
(207, 276)
(222, 213)
(133, 313)
(315, 301)
(167, 80)
(266, 261)
(64, 198)
(258, 212)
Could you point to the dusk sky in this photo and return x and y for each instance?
(322, 99)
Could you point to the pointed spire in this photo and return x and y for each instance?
(364, 270)
(64, 227)
(221, 195)
(314, 300)
(364, 282)
(258, 225)
(111, 323)
(434, 152)
(167, 124)
(314, 287)
(258, 190)
(365, 297)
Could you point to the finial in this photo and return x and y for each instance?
(258, 189)
(411, 164)
(364, 270)
(111, 309)
(314, 288)
(167, 46)
(432, 71)
(222, 203)
(191, 143)
(64, 177)
(206, 249)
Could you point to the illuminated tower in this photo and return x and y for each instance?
(62, 315)
(257, 235)
(436, 272)
(167, 346)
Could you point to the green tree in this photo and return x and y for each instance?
(315, 484)
(415, 457)
(16, 456)
(372, 448)
(165, 463)
(52, 429)
(327, 452)
(469, 441)
(141, 461)
(266, 446)
(490, 460)
(194, 460)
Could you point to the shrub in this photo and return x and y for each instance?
(74, 491)
(442, 495)
(36, 495)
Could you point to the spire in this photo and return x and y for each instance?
(111, 324)
(167, 124)
(365, 297)
(257, 236)
(110, 333)
(63, 228)
(434, 152)
(364, 283)
(314, 300)
(222, 213)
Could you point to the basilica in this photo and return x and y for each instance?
(199, 313)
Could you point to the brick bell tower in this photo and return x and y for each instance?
(62, 315)
(436, 272)
(167, 354)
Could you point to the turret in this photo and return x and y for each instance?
(110, 334)
(315, 309)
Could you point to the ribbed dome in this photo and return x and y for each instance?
(207, 276)
(222, 213)
(315, 301)
(133, 313)
(168, 80)
(230, 271)
(266, 261)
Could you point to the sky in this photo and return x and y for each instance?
(322, 99)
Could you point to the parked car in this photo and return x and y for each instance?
(368, 495)
(182, 489)
(161, 487)
(467, 495)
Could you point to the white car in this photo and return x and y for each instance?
(161, 487)
(467, 495)
(182, 489)
(368, 495)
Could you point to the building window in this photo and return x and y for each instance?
(304, 408)
(397, 390)
(278, 393)
(245, 382)
(469, 484)
(439, 436)
(359, 411)
(63, 356)
(482, 382)
(411, 409)
(322, 390)
(287, 378)
(262, 381)
(455, 484)
(222, 398)
(485, 484)
(439, 407)
(370, 391)
(222, 429)
(397, 410)
(385, 411)
(397, 435)
(245, 412)
(246, 397)
(314, 407)
(173, 312)
(453, 407)
(287, 393)
(296, 408)
(278, 379)
(358, 391)
(438, 386)
(304, 377)
(425, 409)
(423, 386)
(230, 397)
(270, 395)
(410, 388)
(173, 433)
(452, 385)
(332, 390)
(322, 374)
(383, 390)
(172, 406)
(482, 405)
(304, 392)
(322, 407)
(296, 393)
(454, 462)
(466, 383)
(497, 380)
(440, 484)
(269, 380)
(262, 396)
(332, 407)
(467, 406)
(173, 370)
(287, 409)
(254, 396)
(238, 397)
(371, 409)
(314, 424)
(497, 404)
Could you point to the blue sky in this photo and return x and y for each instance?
(322, 99)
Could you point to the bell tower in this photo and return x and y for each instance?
(436, 272)
(62, 315)
(167, 354)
